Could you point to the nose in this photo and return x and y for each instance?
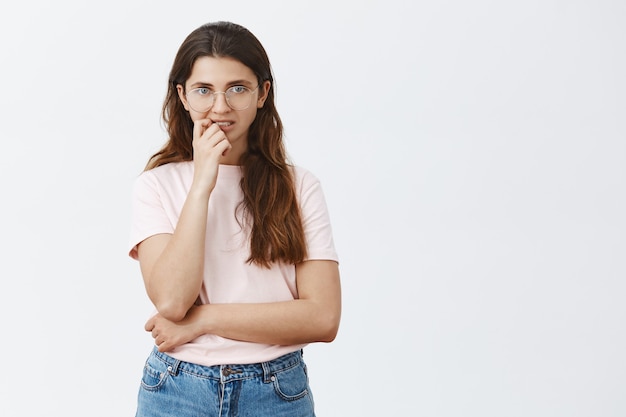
(220, 105)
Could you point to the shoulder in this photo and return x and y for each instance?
(308, 186)
(168, 179)
(166, 173)
(303, 178)
(171, 169)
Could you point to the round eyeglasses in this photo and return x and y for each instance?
(237, 97)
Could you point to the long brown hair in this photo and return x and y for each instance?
(269, 197)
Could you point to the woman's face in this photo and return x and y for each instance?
(210, 75)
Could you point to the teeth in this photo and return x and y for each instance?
(224, 123)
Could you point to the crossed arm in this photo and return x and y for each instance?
(313, 317)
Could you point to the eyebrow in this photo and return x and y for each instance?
(230, 83)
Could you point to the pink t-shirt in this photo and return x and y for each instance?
(158, 197)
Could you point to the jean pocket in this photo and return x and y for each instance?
(155, 373)
(292, 383)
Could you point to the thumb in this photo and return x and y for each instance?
(149, 324)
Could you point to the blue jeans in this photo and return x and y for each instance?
(278, 388)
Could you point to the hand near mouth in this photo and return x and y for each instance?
(210, 144)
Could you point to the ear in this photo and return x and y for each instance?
(181, 95)
(264, 90)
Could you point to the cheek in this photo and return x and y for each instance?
(251, 114)
(195, 116)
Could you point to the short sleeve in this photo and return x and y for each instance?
(315, 218)
(148, 215)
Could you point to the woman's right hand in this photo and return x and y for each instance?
(209, 145)
(172, 265)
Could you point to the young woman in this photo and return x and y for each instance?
(234, 244)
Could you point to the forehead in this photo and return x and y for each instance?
(219, 71)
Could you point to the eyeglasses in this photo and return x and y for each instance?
(237, 97)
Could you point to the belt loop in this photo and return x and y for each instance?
(173, 368)
(267, 372)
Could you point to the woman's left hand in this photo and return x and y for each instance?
(169, 335)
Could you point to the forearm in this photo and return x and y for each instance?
(174, 280)
(281, 323)
(313, 317)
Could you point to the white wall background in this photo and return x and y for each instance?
(473, 156)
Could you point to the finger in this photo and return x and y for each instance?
(214, 135)
(218, 143)
(210, 131)
(223, 147)
(200, 127)
(149, 325)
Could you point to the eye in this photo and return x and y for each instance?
(202, 91)
(238, 89)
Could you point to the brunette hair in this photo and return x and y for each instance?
(269, 196)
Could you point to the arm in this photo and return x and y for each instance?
(172, 264)
(313, 317)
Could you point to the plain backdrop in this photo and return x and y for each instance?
(473, 157)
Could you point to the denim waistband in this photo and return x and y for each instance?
(225, 373)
